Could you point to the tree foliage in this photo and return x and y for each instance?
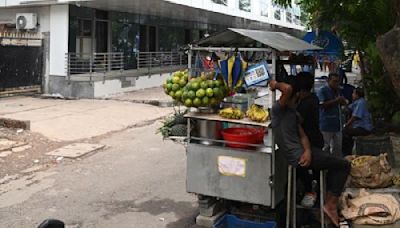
(360, 23)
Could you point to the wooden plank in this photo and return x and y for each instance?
(19, 91)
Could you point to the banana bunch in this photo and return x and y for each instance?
(257, 114)
(231, 113)
(359, 161)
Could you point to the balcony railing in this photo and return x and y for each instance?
(160, 59)
(94, 63)
(80, 66)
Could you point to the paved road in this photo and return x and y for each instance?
(137, 181)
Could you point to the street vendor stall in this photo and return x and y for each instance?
(219, 163)
(231, 154)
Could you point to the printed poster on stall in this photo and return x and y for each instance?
(256, 74)
(231, 166)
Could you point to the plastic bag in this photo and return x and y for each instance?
(370, 209)
(370, 171)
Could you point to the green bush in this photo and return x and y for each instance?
(396, 119)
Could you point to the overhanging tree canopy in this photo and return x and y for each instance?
(371, 26)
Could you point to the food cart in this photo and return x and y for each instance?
(253, 173)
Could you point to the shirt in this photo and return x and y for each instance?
(308, 108)
(359, 109)
(284, 123)
(329, 119)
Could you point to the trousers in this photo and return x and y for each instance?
(333, 143)
(337, 168)
(348, 141)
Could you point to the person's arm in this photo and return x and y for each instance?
(331, 103)
(285, 89)
(357, 112)
(305, 158)
(350, 121)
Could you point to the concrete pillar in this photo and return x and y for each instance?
(59, 31)
(46, 62)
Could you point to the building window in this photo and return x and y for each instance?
(264, 8)
(289, 17)
(297, 20)
(245, 5)
(171, 38)
(85, 28)
(221, 2)
(277, 14)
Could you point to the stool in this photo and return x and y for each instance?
(291, 192)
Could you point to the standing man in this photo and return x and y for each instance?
(294, 143)
(330, 121)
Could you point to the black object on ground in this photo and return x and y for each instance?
(52, 223)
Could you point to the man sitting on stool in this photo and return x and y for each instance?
(292, 140)
(359, 124)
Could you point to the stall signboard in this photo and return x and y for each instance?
(231, 166)
(256, 74)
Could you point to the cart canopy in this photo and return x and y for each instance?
(240, 38)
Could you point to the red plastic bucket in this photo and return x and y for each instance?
(242, 135)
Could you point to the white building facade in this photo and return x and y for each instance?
(97, 48)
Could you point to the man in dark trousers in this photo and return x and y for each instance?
(308, 109)
(292, 140)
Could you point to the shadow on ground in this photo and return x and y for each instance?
(186, 212)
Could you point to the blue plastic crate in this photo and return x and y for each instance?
(231, 221)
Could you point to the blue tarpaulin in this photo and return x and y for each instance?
(331, 44)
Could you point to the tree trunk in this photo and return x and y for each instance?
(389, 50)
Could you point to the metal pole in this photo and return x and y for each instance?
(190, 61)
(91, 67)
(273, 169)
(69, 66)
(321, 199)
(138, 60)
(274, 71)
(228, 49)
(294, 198)
(151, 60)
(110, 59)
(121, 67)
(289, 189)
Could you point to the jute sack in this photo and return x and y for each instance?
(371, 209)
(370, 171)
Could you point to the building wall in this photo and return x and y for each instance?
(114, 86)
(232, 9)
(9, 15)
(9, 2)
(59, 21)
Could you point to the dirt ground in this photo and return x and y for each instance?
(20, 163)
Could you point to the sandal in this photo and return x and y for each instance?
(345, 224)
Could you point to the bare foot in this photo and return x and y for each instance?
(332, 215)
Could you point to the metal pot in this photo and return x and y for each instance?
(208, 129)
